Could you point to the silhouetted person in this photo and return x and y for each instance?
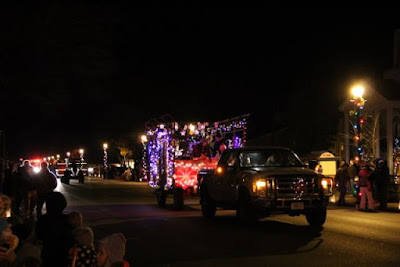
(382, 180)
(45, 182)
(202, 150)
(354, 168)
(342, 178)
(28, 189)
(54, 231)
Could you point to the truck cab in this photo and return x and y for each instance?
(259, 181)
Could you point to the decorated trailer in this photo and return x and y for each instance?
(174, 153)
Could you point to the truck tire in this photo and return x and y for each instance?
(66, 177)
(245, 211)
(208, 207)
(81, 178)
(317, 217)
(161, 198)
(178, 198)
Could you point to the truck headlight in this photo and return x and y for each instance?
(260, 187)
(326, 184)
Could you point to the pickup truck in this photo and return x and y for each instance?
(259, 181)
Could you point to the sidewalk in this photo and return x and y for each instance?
(351, 203)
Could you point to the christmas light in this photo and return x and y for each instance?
(163, 146)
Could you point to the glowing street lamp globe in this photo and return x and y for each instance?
(358, 91)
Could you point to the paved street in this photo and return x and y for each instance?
(165, 237)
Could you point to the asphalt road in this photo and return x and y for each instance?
(165, 237)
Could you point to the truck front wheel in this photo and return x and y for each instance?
(245, 211)
(317, 217)
(208, 207)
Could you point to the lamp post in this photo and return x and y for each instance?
(359, 102)
(105, 147)
(145, 157)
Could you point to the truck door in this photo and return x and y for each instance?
(228, 184)
(218, 180)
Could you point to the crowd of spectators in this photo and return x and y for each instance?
(35, 230)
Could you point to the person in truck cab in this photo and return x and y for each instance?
(219, 144)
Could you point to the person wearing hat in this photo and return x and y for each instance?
(382, 180)
(365, 186)
(111, 251)
(342, 178)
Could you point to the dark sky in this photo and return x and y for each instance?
(78, 74)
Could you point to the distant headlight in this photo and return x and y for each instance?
(36, 169)
(90, 170)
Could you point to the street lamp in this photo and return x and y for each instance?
(105, 147)
(359, 102)
(358, 91)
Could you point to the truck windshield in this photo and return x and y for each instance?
(269, 158)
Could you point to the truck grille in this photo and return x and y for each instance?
(296, 188)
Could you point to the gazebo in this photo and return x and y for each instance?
(382, 111)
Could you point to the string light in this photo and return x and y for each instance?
(163, 146)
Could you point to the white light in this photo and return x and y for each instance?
(261, 183)
(358, 91)
(36, 169)
(90, 170)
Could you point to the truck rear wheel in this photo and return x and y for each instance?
(208, 207)
(317, 217)
(65, 178)
(178, 198)
(81, 178)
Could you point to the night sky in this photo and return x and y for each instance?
(81, 73)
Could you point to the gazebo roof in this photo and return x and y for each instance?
(390, 89)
